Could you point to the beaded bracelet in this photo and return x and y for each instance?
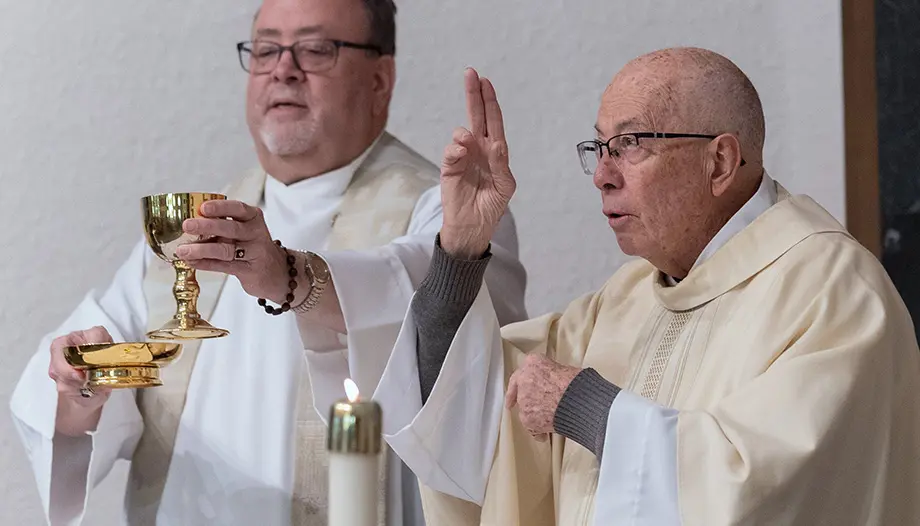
(292, 285)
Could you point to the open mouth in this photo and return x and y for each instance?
(285, 104)
(617, 219)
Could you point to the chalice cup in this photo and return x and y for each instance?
(163, 218)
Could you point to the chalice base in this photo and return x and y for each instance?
(190, 329)
(124, 377)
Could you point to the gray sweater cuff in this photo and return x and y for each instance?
(453, 281)
(439, 307)
(583, 410)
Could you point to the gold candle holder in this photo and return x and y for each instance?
(354, 428)
(354, 444)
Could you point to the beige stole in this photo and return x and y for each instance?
(376, 209)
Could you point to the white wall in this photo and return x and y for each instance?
(103, 102)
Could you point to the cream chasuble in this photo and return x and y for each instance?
(776, 384)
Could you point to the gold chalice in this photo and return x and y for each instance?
(122, 365)
(163, 217)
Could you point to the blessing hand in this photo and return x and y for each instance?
(476, 181)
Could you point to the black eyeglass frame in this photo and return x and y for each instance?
(246, 47)
(645, 135)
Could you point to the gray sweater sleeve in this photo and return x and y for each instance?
(439, 307)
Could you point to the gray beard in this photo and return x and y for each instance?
(287, 139)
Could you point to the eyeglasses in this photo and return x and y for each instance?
(625, 147)
(310, 56)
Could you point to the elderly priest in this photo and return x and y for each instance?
(755, 366)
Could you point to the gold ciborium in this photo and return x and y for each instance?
(122, 365)
(163, 218)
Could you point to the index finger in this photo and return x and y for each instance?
(475, 111)
(228, 208)
(495, 125)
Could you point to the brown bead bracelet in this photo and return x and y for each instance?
(292, 273)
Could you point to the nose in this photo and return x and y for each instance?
(287, 70)
(607, 175)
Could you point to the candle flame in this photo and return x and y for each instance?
(351, 390)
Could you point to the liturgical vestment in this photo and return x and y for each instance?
(778, 383)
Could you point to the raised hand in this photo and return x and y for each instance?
(476, 182)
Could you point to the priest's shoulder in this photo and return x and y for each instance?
(833, 276)
(834, 258)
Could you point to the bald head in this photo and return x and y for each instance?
(666, 197)
(697, 90)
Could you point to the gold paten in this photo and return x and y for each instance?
(122, 365)
(163, 218)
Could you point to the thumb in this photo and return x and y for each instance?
(455, 161)
(511, 395)
(97, 334)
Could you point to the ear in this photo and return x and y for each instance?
(725, 155)
(384, 81)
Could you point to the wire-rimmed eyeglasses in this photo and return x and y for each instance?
(625, 146)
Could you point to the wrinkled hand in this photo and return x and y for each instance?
(69, 381)
(476, 182)
(263, 269)
(536, 388)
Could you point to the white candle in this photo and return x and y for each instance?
(354, 451)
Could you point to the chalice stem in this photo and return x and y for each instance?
(185, 290)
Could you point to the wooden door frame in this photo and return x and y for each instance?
(860, 96)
